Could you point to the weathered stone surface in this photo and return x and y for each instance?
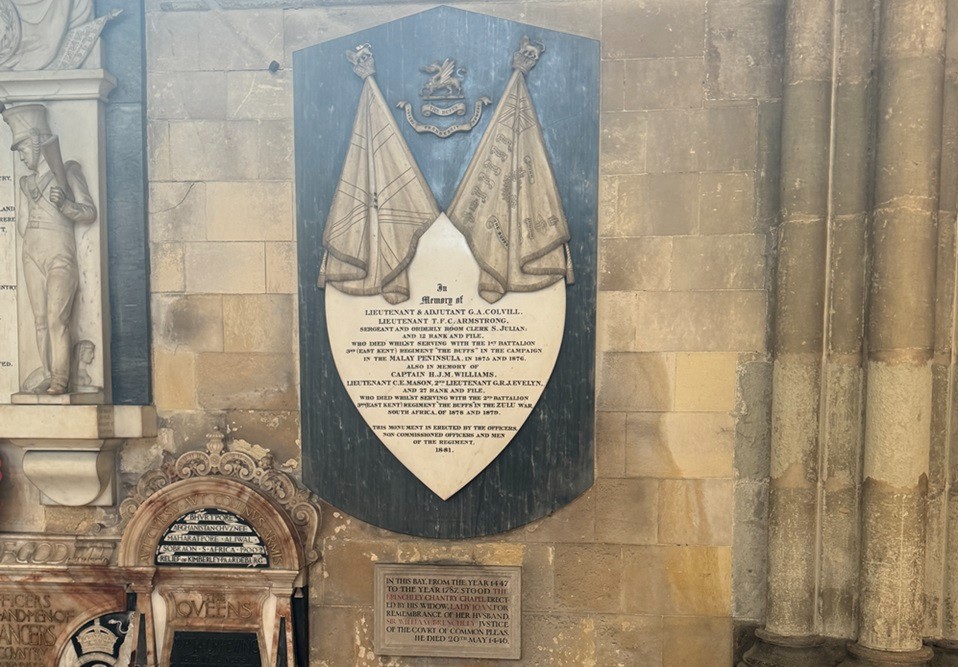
(613, 85)
(281, 268)
(348, 569)
(745, 40)
(670, 321)
(237, 156)
(629, 640)
(641, 263)
(623, 511)
(579, 17)
(653, 29)
(695, 511)
(623, 146)
(633, 381)
(587, 577)
(664, 205)
(677, 580)
(718, 262)
(193, 322)
(574, 522)
(252, 381)
(229, 267)
(257, 323)
(174, 96)
(679, 445)
(610, 444)
(664, 83)
(696, 641)
(651, 205)
(166, 267)
(177, 212)
(727, 203)
(259, 95)
(277, 431)
(705, 382)
(261, 211)
(174, 380)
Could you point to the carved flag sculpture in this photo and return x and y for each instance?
(508, 205)
(382, 204)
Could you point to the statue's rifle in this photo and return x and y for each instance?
(50, 150)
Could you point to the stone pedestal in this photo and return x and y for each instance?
(70, 449)
(861, 656)
(946, 653)
(773, 650)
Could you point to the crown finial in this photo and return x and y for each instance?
(361, 58)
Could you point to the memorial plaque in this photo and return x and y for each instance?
(448, 611)
(212, 538)
(215, 649)
(447, 271)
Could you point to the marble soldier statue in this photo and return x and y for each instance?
(57, 198)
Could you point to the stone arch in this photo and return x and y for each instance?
(154, 516)
(186, 595)
(284, 513)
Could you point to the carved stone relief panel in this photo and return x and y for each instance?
(38, 618)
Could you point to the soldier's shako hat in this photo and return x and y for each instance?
(26, 120)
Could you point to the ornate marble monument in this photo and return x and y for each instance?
(55, 381)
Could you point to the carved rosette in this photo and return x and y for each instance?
(299, 505)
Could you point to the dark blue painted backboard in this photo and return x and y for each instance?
(550, 461)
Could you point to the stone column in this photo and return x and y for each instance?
(941, 605)
(843, 380)
(789, 637)
(901, 335)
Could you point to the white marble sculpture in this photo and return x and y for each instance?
(47, 34)
(57, 198)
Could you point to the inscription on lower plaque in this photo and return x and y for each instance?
(448, 611)
(211, 538)
(215, 649)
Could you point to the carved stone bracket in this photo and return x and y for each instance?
(70, 450)
(300, 506)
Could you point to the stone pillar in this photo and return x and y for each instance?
(843, 381)
(790, 635)
(942, 526)
(901, 335)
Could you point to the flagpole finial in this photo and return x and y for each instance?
(361, 58)
(528, 55)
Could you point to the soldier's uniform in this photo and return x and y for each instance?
(49, 245)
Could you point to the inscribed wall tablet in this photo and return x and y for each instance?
(501, 425)
(448, 611)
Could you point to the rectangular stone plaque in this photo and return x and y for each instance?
(448, 611)
(215, 649)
